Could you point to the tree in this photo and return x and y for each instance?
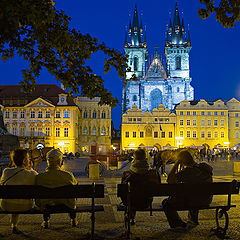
(35, 30)
(227, 11)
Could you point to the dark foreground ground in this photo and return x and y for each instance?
(109, 224)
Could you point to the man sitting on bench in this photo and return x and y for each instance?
(55, 177)
(192, 172)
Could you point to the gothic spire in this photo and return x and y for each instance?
(176, 20)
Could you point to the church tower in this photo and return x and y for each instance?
(177, 48)
(136, 47)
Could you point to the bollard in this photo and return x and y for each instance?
(94, 171)
(236, 168)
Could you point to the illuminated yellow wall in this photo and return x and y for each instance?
(94, 125)
(234, 121)
(147, 129)
(208, 121)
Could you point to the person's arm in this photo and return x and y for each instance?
(172, 175)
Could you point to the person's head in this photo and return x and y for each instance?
(139, 154)
(54, 158)
(20, 157)
(185, 158)
(139, 164)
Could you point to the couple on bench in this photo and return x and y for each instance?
(140, 174)
(23, 174)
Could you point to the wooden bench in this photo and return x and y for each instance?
(182, 190)
(71, 191)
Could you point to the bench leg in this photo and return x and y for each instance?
(220, 231)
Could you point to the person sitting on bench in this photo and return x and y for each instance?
(140, 174)
(192, 172)
(20, 174)
(55, 177)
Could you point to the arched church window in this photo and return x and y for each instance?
(156, 98)
(94, 115)
(103, 132)
(103, 114)
(178, 62)
(135, 64)
(84, 131)
(85, 114)
(94, 131)
(134, 98)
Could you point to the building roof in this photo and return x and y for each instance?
(48, 92)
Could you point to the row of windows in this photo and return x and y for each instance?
(177, 51)
(209, 122)
(94, 115)
(155, 119)
(40, 132)
(202, 113)
(208, 134)
(155, 134)
(94, 131)
(38, 114)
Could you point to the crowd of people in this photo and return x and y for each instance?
(139, 174)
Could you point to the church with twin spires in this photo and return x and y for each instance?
(163, 82)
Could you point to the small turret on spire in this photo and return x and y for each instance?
(189, 39)
(183, 28)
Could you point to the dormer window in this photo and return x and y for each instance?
(62, 99)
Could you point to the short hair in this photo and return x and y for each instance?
(54, 157)
(18, 156)
(186, 158)
(140, 154)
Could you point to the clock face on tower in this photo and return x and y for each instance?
(62, 99)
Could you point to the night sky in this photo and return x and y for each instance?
(214, 58)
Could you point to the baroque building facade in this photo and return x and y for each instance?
(160, 83)
(194, 123)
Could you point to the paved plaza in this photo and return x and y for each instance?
(109, 224)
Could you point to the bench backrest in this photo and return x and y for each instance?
(181, 189)
(39, 192)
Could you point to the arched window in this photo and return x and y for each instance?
(85, 114)
(94, 131)
(135, 64)
(156, 98)
(85, 131)
(178, 89)
(103, 114)
(94, 115)
(134, 98)
(103, 132)
(178, 62)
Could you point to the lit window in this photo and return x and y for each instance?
(134, 134)
(57, 114)
(155, 134)
(103, 115)
(141, 134)
(85, 114)
(65, 132)
(194, 134)
(47, 114)
(22, 114)
(103, 132)
(127, 134)
(85, 131)
(14, 115)
(40, 114)
(57, 132)
(66, 114)
(47, 131)
(170, 134)
(94, 132)
(94, 114)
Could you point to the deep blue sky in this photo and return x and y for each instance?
(214, 58)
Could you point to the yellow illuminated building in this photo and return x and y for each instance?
(200, 122)
(234, 121)
(47, 115)
(94, 126)
(148, 130)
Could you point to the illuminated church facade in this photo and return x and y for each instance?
(162, 82)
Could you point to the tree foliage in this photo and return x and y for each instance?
(227, 11)
(37, 31)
